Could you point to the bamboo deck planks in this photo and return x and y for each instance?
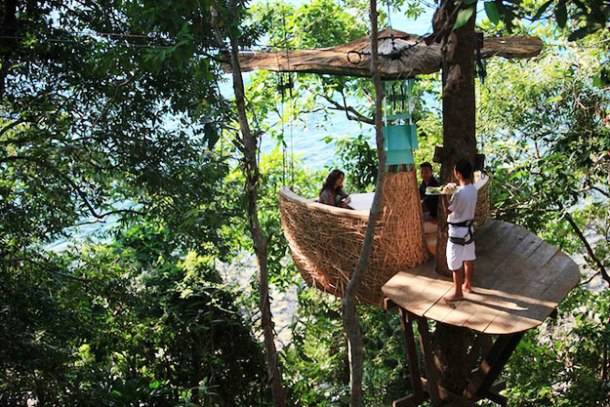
(519, 280)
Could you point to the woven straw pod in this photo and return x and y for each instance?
(481, 214)
(325, 241)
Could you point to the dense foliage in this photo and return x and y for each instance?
(124, 323)
(109, 118)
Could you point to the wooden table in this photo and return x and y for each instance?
(362, 201)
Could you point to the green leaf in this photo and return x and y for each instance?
(211, 135)
(390, 362)
(542, 9)
(463, 17)
(580, 33)
(561, 13)
(492, 12)
(469, 2)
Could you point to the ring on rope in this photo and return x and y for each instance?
(358, 53)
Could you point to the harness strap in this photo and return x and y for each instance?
(464, 224)
(469, 238)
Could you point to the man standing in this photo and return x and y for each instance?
(460, 246)
(429, 202)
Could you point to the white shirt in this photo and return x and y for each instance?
(462, 207)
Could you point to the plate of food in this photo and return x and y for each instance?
(448, 189)
(433, 190)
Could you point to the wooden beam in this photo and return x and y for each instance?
(412, 360)
(388, 304)
(408, 401)
(353, 59)
(432, 373)
(490, 368)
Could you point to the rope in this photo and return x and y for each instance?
(390, 25)
(292, 112)
(283, 86)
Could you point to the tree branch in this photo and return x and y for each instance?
(587, 281)
(249, 139)
(588, 248)
(356, 115)
(350, 316)
(81, 194)
(598, 189)
(11, 125)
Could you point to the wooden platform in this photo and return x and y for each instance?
(519, 280)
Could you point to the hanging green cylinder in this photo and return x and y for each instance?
(399, 132)
(400, 141)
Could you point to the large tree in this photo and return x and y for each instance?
(103, 107)
(109, 111)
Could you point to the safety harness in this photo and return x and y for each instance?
(469, 238)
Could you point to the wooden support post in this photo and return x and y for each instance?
(412, 400)
(432, 373)
(388, 304)
(417, 382)
(407, 325)
(490, 368)
(494, 394)
(481, 382)
(486, 343)
(480, 347)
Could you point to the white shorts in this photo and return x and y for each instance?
(458, 254)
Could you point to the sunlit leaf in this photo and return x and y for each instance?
(542, 9)
(463, 17)
(492, 12)
(561, 13)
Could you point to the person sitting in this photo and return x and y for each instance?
(332, 191)
(429, 202)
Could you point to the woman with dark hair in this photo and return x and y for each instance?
(332, 191)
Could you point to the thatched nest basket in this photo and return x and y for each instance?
(482, 182)
(325, 241)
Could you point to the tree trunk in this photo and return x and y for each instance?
(350, 317)
(459, 120)
(459, 141)
(249, 142)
